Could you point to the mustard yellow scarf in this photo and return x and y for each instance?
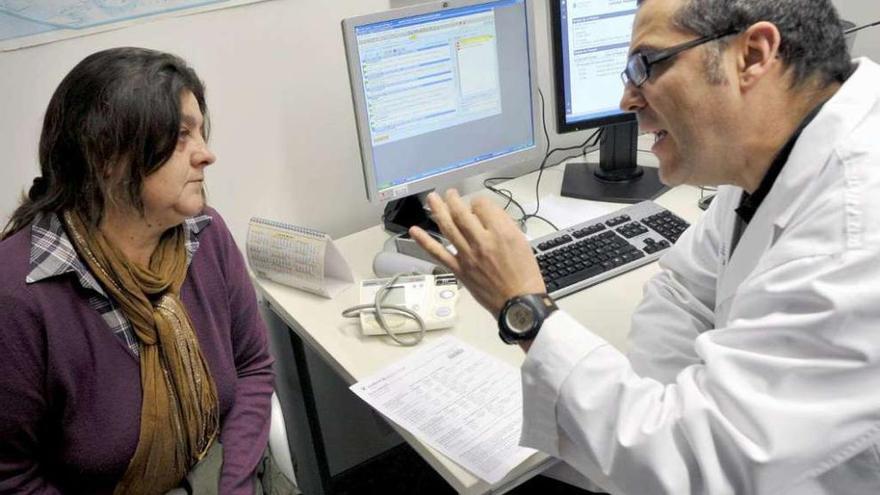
(179, 413)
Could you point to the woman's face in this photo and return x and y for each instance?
(174, 191)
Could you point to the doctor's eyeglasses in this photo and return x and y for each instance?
(638, 66)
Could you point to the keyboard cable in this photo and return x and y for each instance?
(585, 147)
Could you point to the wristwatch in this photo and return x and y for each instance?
(522, 316)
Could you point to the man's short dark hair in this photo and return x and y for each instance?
(812, 47)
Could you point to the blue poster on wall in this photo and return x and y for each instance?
(27, 23)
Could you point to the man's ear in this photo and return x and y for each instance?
(758, 53)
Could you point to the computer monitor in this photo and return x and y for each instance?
(590, 45)
(442, 91)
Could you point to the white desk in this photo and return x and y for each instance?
(605, 309)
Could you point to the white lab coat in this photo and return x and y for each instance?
(752, 373)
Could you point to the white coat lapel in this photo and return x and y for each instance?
(793, 188)
(756, 239)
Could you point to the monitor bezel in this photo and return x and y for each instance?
(449, 178)
(562, 126)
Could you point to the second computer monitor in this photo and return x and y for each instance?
(442, 91)
(591, 40)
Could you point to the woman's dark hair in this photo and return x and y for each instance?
(113, 120)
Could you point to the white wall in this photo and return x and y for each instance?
(862, 12)
(278, 92)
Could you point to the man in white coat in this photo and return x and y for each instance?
(755, 354)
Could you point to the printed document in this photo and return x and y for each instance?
(458, 400)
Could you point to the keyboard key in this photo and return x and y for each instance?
(578, 276)
(631, 230)
(666, 224)
(587, 231)
(617, 220)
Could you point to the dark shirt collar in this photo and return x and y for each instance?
(750, 203)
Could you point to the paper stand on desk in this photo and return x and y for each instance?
(296, 256)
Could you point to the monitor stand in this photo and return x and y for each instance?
(401, 214)
(616, 178)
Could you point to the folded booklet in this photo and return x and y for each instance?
(296, 256)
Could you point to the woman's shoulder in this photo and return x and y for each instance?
(15, 265)
(15, 259)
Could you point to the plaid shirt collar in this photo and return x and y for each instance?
(52, 253)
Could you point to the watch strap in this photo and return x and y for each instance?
(541, 304)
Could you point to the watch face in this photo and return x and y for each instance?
(520, 318)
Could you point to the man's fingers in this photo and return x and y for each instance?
(434, 248)
(468, 224)
(492, 216)
(442, 217)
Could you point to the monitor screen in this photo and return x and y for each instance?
(442, 91)
(592, 41)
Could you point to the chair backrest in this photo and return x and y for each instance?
(278, 446)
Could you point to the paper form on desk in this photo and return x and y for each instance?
(458, 400)
(565, 212)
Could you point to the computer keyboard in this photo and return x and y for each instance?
(577, 257)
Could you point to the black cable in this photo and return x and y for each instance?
(541, 169)
(597, 134)
(589, 145)
(539, 217)
(546, 155)
(857, 29)
(508, 195)
(585, 147)
(579, 146)
(504, 193)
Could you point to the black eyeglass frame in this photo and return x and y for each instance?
(640, 64)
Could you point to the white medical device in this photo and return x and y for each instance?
(432, 297)
(406, 303)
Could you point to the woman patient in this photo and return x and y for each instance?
(130, 341)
